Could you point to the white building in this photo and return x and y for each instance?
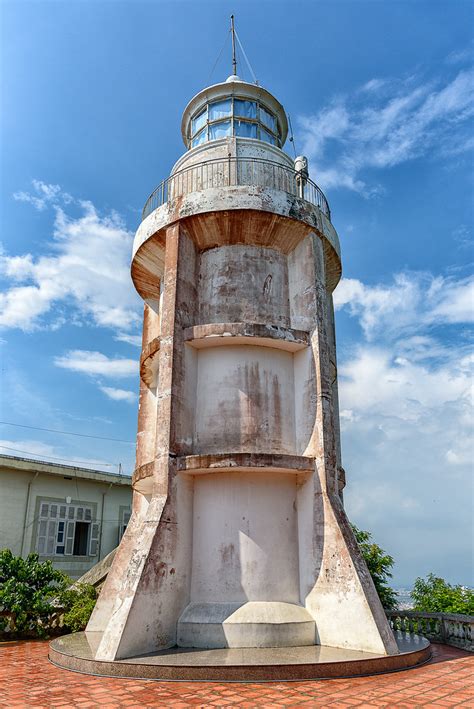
(73, 516)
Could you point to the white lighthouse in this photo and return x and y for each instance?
(238, 536)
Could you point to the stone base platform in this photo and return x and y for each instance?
(76, 652)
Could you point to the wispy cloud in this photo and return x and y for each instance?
(24, 447)
(461, 56)
(28, 448)
(44, 195)
(412, 301)
(119, 394)
(97, 364)
(134, 340)
(386, 123)
(85, 269)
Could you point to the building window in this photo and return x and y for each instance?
(234, 116)
(125, 514)
(67, 530)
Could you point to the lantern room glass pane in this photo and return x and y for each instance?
(246, 109)
(199, 121)
(219, 109)
(268, 119)
(267, 137)
(245, 129)
(219, 130)
(199, 138)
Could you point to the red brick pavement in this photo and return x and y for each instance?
(27, 679)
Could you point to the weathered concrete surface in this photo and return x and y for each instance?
(148, 585)
(251, 624)
(238, 534)
(232, 147)
(245, 462)
(246, 333)
(98, 573)
(233, 215)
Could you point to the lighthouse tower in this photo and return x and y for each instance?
(238, 536)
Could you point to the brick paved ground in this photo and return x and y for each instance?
(27, 679)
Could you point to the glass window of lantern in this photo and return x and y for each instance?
(233, 116)
(199, 138)
(267, 119)
(267, 137)
(245, 109)
(245, 129)
(220, 130)
(199, 121)
(220, 109)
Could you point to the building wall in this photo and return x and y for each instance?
(22, 492)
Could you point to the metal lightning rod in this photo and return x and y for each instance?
(234, 60)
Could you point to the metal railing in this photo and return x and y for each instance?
(449, 628)
(227, 172)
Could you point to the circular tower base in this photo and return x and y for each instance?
(76, 652)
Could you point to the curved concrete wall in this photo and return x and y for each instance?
(245, 400)
(232, 147)
(239, 553)
(243, 284)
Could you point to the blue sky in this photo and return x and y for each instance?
(381, 100)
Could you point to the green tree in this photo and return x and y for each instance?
(379, 564)
(435, 595)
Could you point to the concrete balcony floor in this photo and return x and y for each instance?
(29, 680)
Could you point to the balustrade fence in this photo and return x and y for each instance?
(449, 628)
(234, 172)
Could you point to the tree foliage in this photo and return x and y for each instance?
(36, 598)
(379, 564)
(435, 595)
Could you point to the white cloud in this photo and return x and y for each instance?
(85, 270)
(412, 301)
(385, 123)
(374, 85)
(135, 340)
(407, 439)
(407, 420)
(461, 56)
(119, 394)
(378, 382)
(43, 195)
(97, 364)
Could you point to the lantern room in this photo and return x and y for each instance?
(234, 108)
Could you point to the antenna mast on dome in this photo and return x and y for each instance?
(234, 60)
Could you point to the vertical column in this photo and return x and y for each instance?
(335, 584)
(154, 567)
(146, 433)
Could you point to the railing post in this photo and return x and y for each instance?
(258, 172)
(443, 629)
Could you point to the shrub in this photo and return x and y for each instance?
(27, 589)
(78, 602)
(36, 598)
